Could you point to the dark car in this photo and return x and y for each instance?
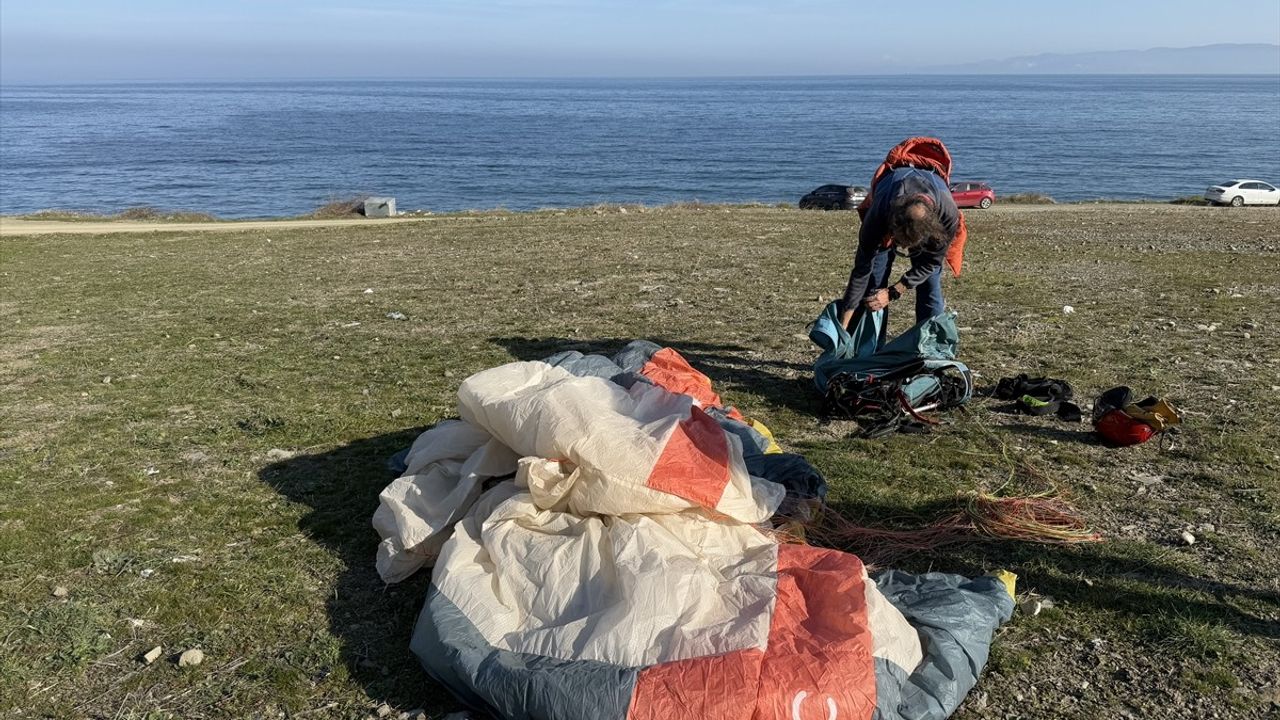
(833, 197)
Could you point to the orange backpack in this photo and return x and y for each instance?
(925, 153)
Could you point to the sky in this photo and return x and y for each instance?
(59, 41)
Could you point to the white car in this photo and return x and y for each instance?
(1243, 192)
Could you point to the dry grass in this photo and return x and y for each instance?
(1027, 199)
(141, 213)
(140, 477)
(338, 208)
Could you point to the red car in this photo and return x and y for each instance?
(973, 194)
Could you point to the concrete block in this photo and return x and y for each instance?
(380, 207)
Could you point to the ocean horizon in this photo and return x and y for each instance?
(275, 148)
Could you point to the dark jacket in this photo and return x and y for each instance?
(875, 227)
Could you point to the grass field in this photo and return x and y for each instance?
(194, 428)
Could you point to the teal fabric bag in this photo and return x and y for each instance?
(917, 356)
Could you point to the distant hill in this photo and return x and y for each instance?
(1249, 59)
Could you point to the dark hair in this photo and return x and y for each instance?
(910, 232)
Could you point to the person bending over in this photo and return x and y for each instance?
(912, 214)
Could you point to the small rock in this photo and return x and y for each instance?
(1208, 528)
(622, 210)
(150, 471)
(281, 454)
(384, 710)
(106, 380)
(146, 573)
(397, 316)
(396, 413)
(191, 658)
(1188, 538)
(152, 655)
(1031, 606)
(368, 291)
(59, 592)
(1148, 480)
(1271, 695)
(1067, 309)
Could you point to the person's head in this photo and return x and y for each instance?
(914, 224)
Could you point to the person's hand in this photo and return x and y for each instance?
(845, 317)
(878, 301)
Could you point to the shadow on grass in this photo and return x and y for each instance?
(1121, 580)
(373, 621)
(1063, 432)
(728, 366)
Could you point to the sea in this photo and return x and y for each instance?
(268, 149)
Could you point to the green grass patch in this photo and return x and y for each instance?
(196, 426)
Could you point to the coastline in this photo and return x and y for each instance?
(20, 225)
